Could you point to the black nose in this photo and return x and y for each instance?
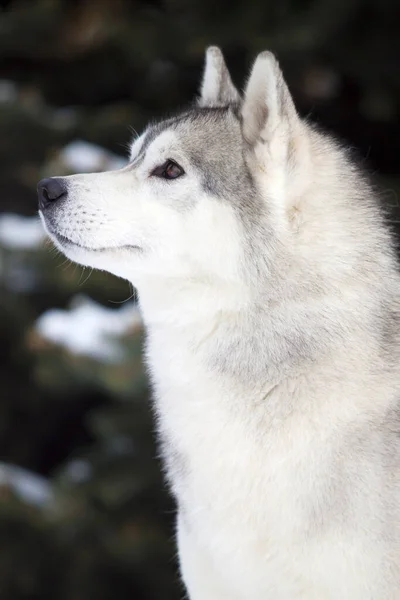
(50, 190)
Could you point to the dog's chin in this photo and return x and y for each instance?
(101, 257)
(66, 244)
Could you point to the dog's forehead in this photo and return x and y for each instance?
(196, 130)
(209, 125)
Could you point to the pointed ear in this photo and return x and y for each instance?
(267, 100)
(217, 88)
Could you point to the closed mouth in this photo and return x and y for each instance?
(68, 243)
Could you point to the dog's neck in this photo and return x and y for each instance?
(232, 333)
(190, 303)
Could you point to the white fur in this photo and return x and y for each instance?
(274, 358)
(217, 87)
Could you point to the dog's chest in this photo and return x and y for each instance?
(259, 494)
(229, 468)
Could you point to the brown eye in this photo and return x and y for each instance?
(169, 170)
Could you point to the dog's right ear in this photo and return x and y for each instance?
(217, 88)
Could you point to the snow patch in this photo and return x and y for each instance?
(8, 91)
(82, 157)
(28, 486)
(21, 233)
(79, 470)
(89, 328)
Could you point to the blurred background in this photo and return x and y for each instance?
(83, 510)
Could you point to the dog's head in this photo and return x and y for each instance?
(200, 190)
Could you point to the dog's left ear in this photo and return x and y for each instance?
(217, 88)
(267, 101)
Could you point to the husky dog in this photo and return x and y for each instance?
(269, 289)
